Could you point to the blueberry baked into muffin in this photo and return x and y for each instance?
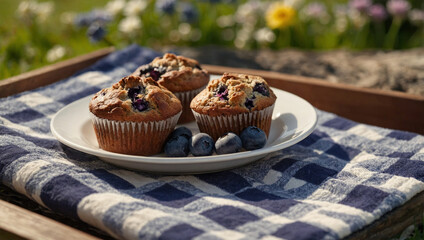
(232, 103)
(134, 116)
(182, 76)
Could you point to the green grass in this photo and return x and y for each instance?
(23, 47)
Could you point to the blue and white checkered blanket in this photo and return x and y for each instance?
(336, 181)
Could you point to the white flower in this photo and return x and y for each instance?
(130, 24)
(243, 36)
(225, 21)
(341, 23)
(184, 28)
(44, 10)
(115, 7)
(357, 18)
(55, 53)
(238, 43)
(67, 17)
(30, 51)
(245, 33)
(416, 17)
(249, 12)
(185, 31)
(30, 10)
(135, 7)
(293, 3)
(264, 35)
(315, 11)
(26, 9)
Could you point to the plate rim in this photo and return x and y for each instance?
(159, 160)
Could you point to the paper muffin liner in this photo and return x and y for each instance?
(216, 126)
(185, 98)
(135, 138)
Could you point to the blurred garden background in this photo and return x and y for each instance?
(38, 33)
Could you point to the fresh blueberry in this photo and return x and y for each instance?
(222, 92)
(253, 138)
(153, 72)
(140, 104)
(201, 144)
(249, 103)
(261, 88)
(177, 146)
(181, 131)
(155, 75)
(133, 92)
(228, 143)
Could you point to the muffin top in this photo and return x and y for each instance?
(176, 73)
(135, 99)
(233, 94)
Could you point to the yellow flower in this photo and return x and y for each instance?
(280, 16)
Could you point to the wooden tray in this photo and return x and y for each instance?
(388, 109)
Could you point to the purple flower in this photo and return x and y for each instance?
(96, 32)
(398, 8)
(416, 17)
(377, 13)
(315, 10)
(360, 5)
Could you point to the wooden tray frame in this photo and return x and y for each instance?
(388, 109)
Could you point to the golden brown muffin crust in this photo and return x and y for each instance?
(114, 103)
(176, 73)
(233, 94)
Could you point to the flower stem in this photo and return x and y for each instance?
(299, 35)
(379, 38)
(289, 37)
(392, 34)
(361, 36)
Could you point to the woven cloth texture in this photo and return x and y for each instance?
(342, 177)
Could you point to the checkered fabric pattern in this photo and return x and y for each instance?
(341, 178)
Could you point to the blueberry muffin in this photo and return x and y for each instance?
(134, 116)
(182, 76)
(232, 103)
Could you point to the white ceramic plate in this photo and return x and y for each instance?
(293, 120)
